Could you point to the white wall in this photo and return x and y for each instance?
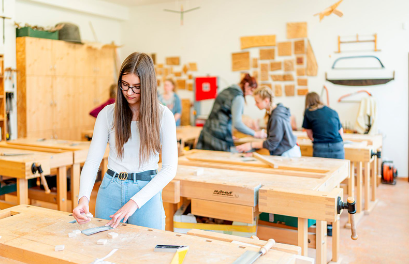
(212, 33)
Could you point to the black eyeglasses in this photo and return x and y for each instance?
(125, 87)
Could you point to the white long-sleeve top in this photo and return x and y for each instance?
(104, 133)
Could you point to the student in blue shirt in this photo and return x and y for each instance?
(170, 99)
(323, 128)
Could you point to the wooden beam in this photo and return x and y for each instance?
(300, 203)
(22, 191)
(303, 235)
(62, 189)
(321, 257)
(232, 212)
(171, 192)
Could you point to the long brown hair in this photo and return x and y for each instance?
(312, 100)
(141, 65)
(250, 80)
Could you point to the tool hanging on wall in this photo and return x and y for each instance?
(4, 27)
(388, 173)
(181, 12)
(9, 108)
(350, 94)
(359, 82)
(357, 40)
(330, 10)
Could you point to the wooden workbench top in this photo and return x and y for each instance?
(30, 234)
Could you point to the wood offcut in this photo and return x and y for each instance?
(284, 48)
(267, 54)
(312, 65)
(297, 30)
(241, 61)
(173, 61)
(257, 41)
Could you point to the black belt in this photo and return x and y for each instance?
(139, 176)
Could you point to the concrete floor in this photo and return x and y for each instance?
(383, 235)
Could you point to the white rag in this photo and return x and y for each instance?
(366, 108)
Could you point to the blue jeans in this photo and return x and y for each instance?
(329, 150)
(114, 193)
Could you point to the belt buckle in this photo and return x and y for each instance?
(123, 176)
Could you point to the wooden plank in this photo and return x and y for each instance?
(306, 204)
(285, 48)
(257, 41)
(62, 189)
(278, 90)
(171, 192)
(255, 75)
(299, 60)
(297, 30)
(289, 90)
(75, 184)
(267, 54)
(300, 71)
(289, 65)
(173, 61)
(359, 187)
(299, 47)
(374, 176)
(181, 84)
(255, 63)
(230, 238)
(302, 82)
(335, 240)
(31, 235)
(303, 235)
(288, 77)
(302, 91)
(275, 65)
(192, 66)
(321, 257)
(241, 61)
(277, 77)
(226, 211)
(367, 183)
(283, 235)
(263, 72)
(190, 87)
(269, 85)
(178, 74)
(22, 191)
(312, 65)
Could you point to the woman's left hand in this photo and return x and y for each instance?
(244, 148)
(124, 213)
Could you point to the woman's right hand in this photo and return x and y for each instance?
(81, 210)
(260, 134)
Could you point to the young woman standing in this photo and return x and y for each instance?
(280, 138)
(323, 128)
(137, 128)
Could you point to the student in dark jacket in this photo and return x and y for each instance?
(323, 128)
(280, 138)
(227, 113)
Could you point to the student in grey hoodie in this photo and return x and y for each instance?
(280, 139)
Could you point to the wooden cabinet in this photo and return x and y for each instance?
(59, 83)
(3, 115)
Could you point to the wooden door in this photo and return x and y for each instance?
(39, 105)
(63, 55)
(105, 62)
(63, 94)
(84, 102)
(38, 55)
(84, 61)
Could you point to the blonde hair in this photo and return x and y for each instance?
(173, 83)
(265, 92)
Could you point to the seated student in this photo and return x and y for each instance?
(226, 113)
(323, 128)
(111, 100)
(280, 139)
(170, 99)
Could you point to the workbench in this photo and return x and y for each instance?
(19, 167)
(29, 234)
(229, 188)
(78, 150)
(362, 155)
